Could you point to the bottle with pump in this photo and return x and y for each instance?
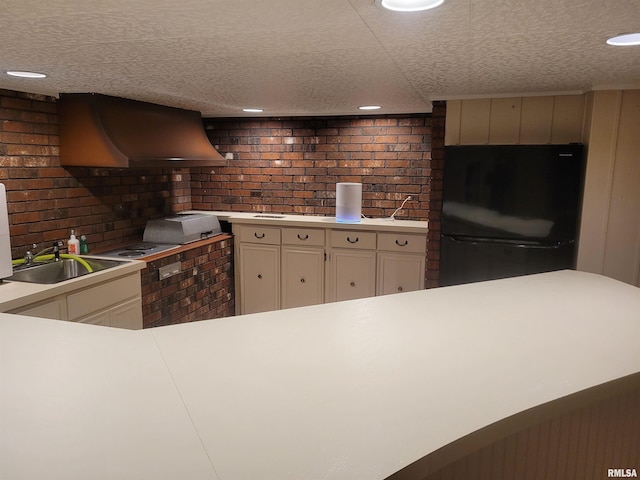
(73, 245)
(84, 247)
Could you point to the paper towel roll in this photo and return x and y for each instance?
(348, 202)
(6, 268)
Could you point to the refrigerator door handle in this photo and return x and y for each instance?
(509, 243)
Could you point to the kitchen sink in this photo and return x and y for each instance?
(65, 269)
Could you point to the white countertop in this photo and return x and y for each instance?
(17, 294)
(315, 221)
(351, 390)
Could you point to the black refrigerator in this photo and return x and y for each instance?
(509, 210)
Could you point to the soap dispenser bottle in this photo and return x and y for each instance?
(73, 245)
(84, 246)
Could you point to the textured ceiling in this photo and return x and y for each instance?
(315, 57)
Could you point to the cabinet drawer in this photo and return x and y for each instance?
(259, 234)
(303, 236)
(402, 242)
(353, 239)
(102, 296)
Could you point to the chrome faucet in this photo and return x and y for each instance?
(29, 258)
(56, 252)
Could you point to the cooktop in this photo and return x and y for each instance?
(138, 250)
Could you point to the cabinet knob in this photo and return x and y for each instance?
(302, 280)
(353, 284)
(402, 244)
(303, 238)
(353, 241)
(399, 289)
(260, 276)
(258, 236)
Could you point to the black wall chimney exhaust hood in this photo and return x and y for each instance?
(103, 131)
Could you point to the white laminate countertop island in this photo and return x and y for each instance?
(316, 221)
(351, 390)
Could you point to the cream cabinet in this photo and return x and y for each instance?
(291, 266)
(352, 265)
(400, 263)
(99, 318)
(122, 315)
(259, 278)
(303, 257)
(113, 303)
(54, 308)
(257, 267)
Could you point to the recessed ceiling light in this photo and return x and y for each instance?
(370, 107)
(253, 110)
(410, 5)
(15, 73)
(625, 40)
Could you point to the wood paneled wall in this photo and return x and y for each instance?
(518, 120)
(583, 444)
(610, 228)
(607, 123)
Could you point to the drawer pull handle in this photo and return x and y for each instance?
(352, 284)
(258, 236)
(402, 244)
(352, 241)
(302, 280)
(303, 238)
(260, 276)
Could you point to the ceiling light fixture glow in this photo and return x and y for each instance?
(15, 73)
(370, 107)
(253, 110)
(625, 40)
(410, 5)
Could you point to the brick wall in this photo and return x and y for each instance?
(45, 201)
(291, 165)
(203, 289)
(288, 165)
(435, 194)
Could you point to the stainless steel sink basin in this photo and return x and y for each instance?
(65, 269)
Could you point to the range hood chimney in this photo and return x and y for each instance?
(103, 131)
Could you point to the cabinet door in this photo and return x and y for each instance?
(398, 272)
(302, 276)
(98, 318)
(101, 297)
(353, 274)
(55, 309)
(124, 315)
(259, 277)
(127, 315)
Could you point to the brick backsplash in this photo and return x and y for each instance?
(45, 200)
(291, 165)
